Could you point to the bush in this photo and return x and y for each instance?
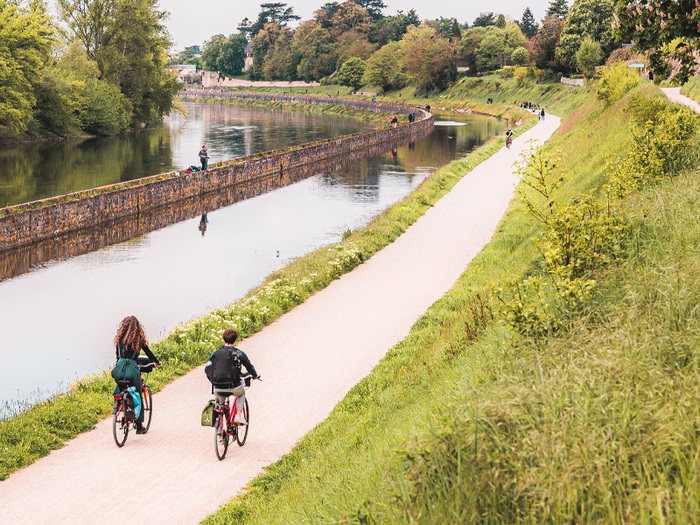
(616, 81)
(104, 109)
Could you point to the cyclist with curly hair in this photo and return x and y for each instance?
(129, 342)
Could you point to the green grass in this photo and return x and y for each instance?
(692, 88)
(467, 421)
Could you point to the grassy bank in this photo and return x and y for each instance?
(46, 426)
(692, 88)
(478, 416)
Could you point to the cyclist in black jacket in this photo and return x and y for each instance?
(233, 385)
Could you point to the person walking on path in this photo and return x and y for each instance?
(204, 157)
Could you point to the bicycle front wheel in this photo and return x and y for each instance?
(147, 408)
(221, 436)
(120, 427)
(242, 430)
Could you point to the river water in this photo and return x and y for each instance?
(58, 319)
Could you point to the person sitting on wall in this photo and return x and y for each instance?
(204, 157)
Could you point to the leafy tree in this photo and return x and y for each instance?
(545, 43)
(520, 56)
(272, 12)
(351, 73)
(190, 55)
(430, 62)
(496, 46)
(392, 28)
(373, 7)
(128, 41)
(384, 68)
(485, 20)
(325, 13)
(56, 104)
(104, 110)
(588, 56)
(500, 22)
(313, 46)
(26, 37)
(528, 25)
(662, 29)
(350, 16)
(225, 55)
(269, 44)
(352, 44)
(557, 8)
(587, 18)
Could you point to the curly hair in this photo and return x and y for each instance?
(130, 334)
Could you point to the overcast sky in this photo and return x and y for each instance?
(193, 22)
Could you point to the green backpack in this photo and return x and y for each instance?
(208, 414)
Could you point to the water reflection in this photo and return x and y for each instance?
(64, 314)
(35, 171)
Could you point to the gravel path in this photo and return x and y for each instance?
(309, 359)
(674, 95)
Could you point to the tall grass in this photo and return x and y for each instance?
(692, 88)
(467, 420)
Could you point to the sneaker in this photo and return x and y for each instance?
(238, 419)
(140, 429)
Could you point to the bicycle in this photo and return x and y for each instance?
(224, 428)
(509, 141)
(121, 422)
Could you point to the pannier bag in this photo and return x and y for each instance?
(208, 414)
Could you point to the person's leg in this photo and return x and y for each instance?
(239, 392)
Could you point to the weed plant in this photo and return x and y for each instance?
(692, 88)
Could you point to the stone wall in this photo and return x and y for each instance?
(27, 224)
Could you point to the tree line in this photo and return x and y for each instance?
(100, 69)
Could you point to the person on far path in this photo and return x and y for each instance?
(204, 157)
(235, 386)
(129, 342)
(542, 114)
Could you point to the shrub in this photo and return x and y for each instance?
(615, 82)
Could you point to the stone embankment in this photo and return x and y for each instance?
(26, 224)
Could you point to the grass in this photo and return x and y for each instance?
(692, 88)
(468, 421)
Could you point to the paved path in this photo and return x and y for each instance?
(674, 95)
(336, 337)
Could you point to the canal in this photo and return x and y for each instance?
(57, 319)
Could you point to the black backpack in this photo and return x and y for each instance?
(224, 367)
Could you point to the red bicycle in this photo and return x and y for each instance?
(122, 421)
(224, 428)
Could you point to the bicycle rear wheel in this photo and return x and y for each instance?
(147, 408)
(120, 427)
(242, 430)
(221, 436)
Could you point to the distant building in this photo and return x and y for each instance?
(185, 72)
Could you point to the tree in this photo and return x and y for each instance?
(544, 44)
(373, 8)
(501, 21)
(315, 50)
(269, 46)
(586, 18)
(485, 20)
(496, 47)
(589, 56)
(520, 56)
(384, 69)
(128, 41)
(225, 55)
(350, 16)
(528, 25)
(351, 73)
(430, 62)
(558, 8)
(664, 29)
(325, 13)
(26, 37)
(277, 12)
(392, 28)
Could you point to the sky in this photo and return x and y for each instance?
(193, 22)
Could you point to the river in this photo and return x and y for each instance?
(57, 320)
